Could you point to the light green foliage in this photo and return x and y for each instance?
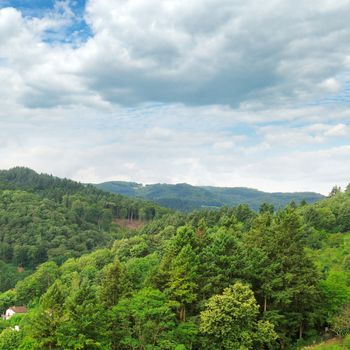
(131, 247)
(330, 347)
(346, 341)
(113, 283)
(146, 321)
(331, 258)
(7, 299)
(10, 339)
(82, 327)
(336, 288)
(141, 270)
(182, 285)
(341, 321)
(230, 320)
(47, 318)
(36, 284)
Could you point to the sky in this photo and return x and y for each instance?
(208, 92)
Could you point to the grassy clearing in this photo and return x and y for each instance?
(332, 344)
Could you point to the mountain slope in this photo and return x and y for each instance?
(186, 197)
(43, 218)
(126, 290)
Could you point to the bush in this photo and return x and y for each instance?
(346, 342)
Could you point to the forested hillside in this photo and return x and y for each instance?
(46, 218)
(231, 278)
(185, 197)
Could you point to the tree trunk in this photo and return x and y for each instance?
(182, 314)
(265, 303)
(301, 330)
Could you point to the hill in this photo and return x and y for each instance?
(186, 197)
(186, 281)
(43, 218)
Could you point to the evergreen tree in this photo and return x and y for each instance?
(113, 283)
(48, 318)
(82, 327)
(285, 279)
(183, 275)
(221, 262)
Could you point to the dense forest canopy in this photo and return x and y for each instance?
(231, 278)
(187, 198)
(46, 218)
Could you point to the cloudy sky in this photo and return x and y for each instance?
(208, 92)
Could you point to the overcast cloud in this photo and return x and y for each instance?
(227, 93)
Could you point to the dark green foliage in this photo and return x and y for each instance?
(222, 260)
(185, 197)
(46, 218)
(284, 278)
(10, 274)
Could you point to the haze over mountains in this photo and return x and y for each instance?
(186, 197)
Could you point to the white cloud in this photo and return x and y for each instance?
(331, 85)
(195, 52)
(206, 92)
(150, 145)
(338, 130)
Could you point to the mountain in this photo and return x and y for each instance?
(186, 197)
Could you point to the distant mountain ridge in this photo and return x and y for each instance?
(186, 197)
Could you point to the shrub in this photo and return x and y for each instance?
(346, 342)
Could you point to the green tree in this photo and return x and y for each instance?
(82, 327)
(113, 283)
(266, 208)
(230, 321)
(7, 299)
(341, 322)
(10, 339)
(146, 321)
(284, 278)
(48, 317)
(335, 190)
(35, 285)
(221, 262)
(183, 275)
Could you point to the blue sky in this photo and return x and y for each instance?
(75, 29)
(206, 92)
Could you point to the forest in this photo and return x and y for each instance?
(185, 197)
(218, 279)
